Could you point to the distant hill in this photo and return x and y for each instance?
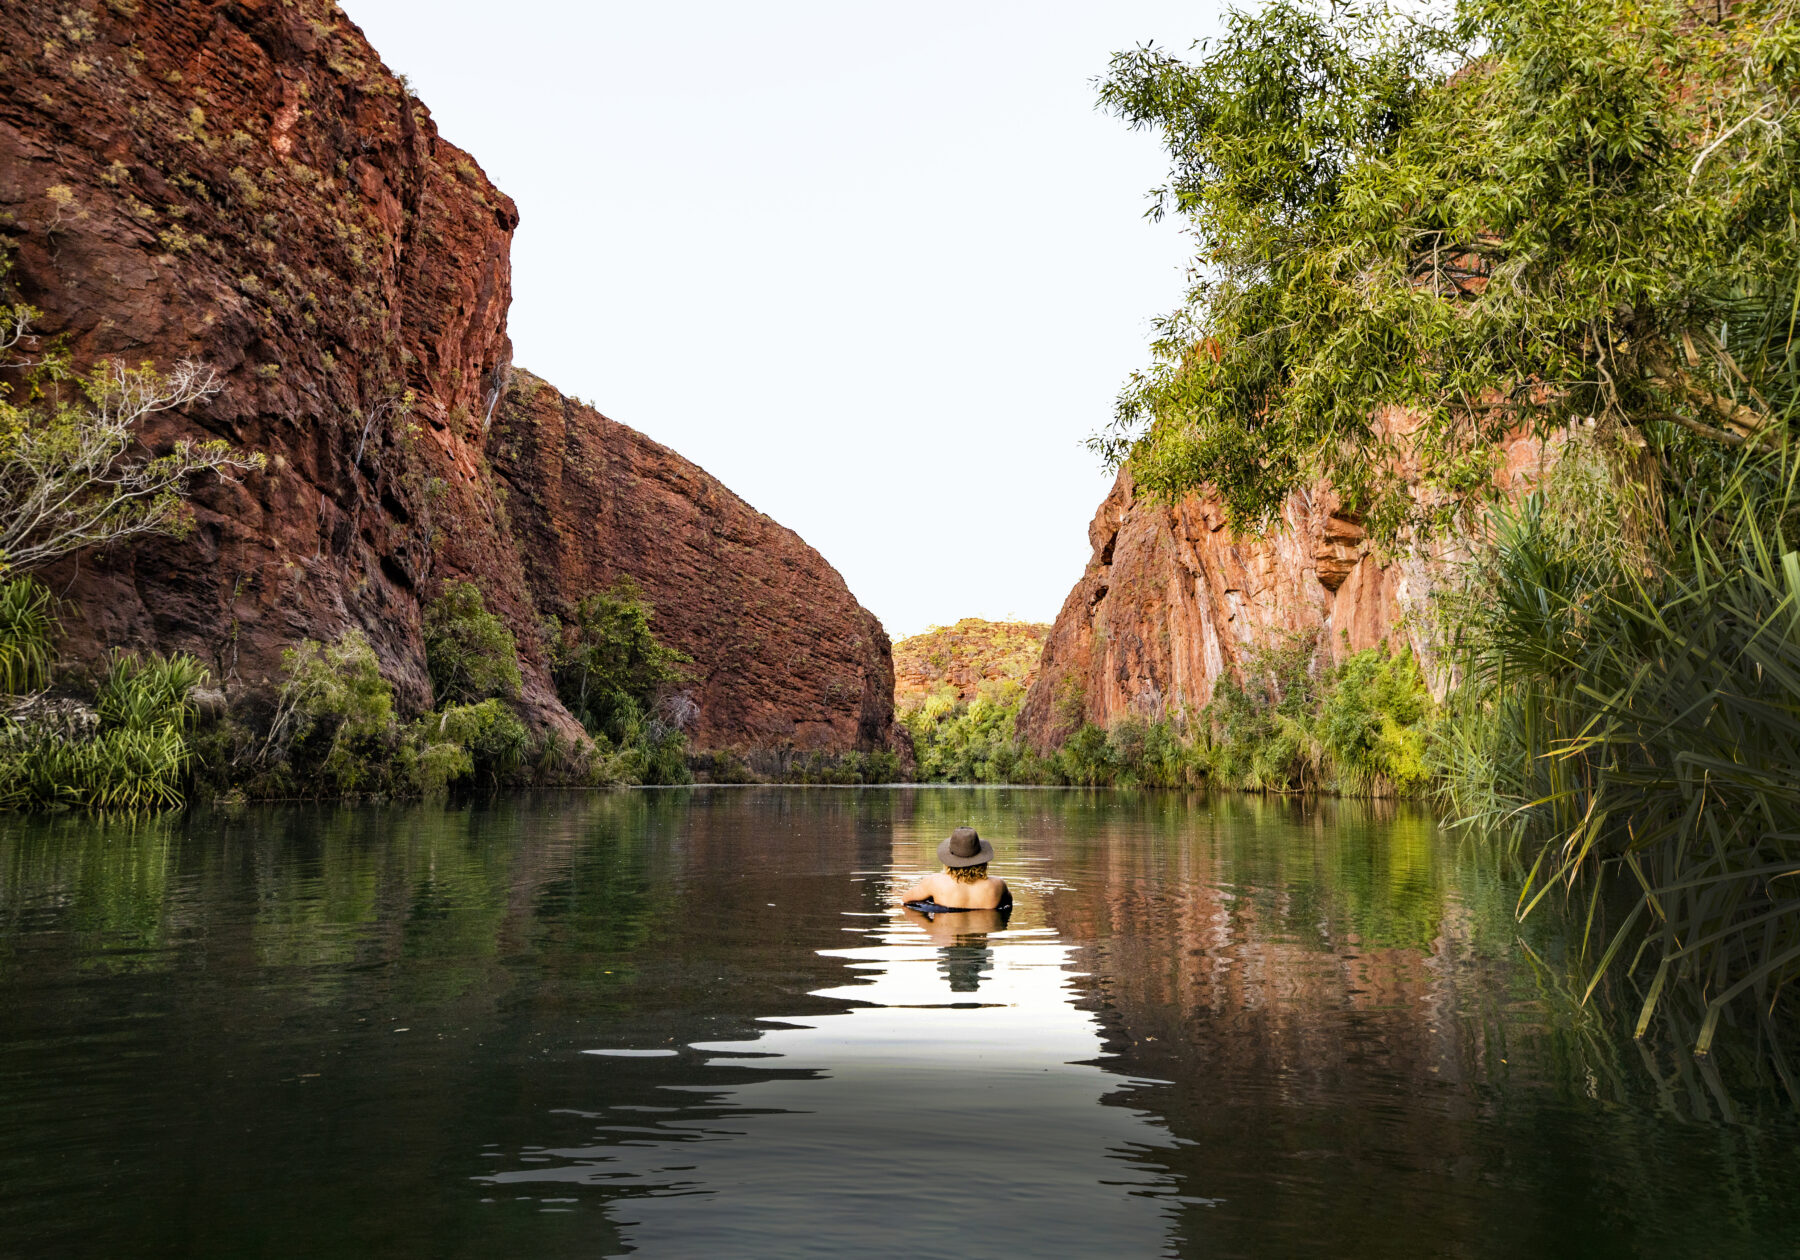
(961, 657)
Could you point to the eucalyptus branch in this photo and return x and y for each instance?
(1711, 433)
(1739, 418)
(15, 324)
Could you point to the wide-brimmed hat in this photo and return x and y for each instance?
(965, 848)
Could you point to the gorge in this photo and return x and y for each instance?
(460, 825)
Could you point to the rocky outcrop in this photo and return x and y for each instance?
(966, 658)
(242, 182)
(783, 654)
(1173, 599)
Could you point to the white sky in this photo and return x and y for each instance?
(878, 268)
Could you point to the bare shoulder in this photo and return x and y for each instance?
(928, 887)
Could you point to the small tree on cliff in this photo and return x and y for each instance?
(469, 653)
(67, 478)
(609, 664)
(1541, 212)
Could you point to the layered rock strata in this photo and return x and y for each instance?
(243, 183)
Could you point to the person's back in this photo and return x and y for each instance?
(964, 883)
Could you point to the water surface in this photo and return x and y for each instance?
(685, 1023)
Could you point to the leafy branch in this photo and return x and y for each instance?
(1538, 213)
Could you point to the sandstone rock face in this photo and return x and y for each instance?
(1172, 599)
(244, 183)
(592, 501)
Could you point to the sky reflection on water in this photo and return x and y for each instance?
(896, 1123)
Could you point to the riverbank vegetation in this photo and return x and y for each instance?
(151, 735)
(624, 686)
(1294, 726)
(1568, 220)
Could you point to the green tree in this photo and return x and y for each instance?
(610, 667)
(469, 653)
(1416, 237)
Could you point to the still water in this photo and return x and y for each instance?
(685, 1024)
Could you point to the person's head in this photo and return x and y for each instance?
(965, 856)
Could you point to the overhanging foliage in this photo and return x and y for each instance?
(1416, 236)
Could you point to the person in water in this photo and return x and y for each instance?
(964, 883)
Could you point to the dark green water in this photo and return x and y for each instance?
(683, 1024)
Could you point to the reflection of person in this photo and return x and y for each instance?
(964, 883)
(963, 953)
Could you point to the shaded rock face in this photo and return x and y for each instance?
(592, 501)
(1172, 599)
(242, 182)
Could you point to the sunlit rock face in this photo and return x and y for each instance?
(246, 184)
(1173, 599)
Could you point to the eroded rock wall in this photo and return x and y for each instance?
(1172, 600)
(242, 182)
(783, 654)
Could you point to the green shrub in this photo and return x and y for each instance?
(722, 766)
(1634, 713)
(490, 736)
(469, 653)
(149, 695)
(614, 675)
(27, 636)
(1260, 733)
(1372, 723)
(844, 769)
(430, 769)
(609, 666)
(1141, 752)
(643, 749)
(138, 757)
(966, 743)
(334, 731)
(1085, 758)
(119, 769)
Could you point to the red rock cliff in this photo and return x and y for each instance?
(1172, 598)
(244, 183)
(783, 654)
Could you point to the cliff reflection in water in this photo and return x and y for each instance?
(1225, 1028)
